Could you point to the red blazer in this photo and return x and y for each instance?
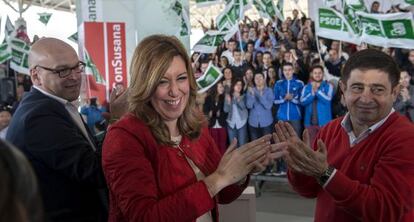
(152, 182)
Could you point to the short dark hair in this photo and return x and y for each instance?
(317, 66)
(268, 53)
(372, 59)
(232, 40)
(258, 73)
(287, 64)
(236, 50)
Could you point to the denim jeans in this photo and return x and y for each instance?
(257, 132)
(239, 134)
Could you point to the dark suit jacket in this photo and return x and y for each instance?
(210, 105)
(69, 171)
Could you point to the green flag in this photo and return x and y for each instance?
(385, 30)
(388, 30)
(212, 39)
(230, 16)
(260, 8)
(279, 10)
(268, 9)
(19, 55)
(74, 37)
(44, 17)
(350, 9)
(209, 42)
(91, 69)
(4, 52)
(209, 78)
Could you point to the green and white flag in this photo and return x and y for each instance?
(230, 16)
(212, 39)
(246, 5)
(337, 4)
(385, 30)
(19, 55)
(91, 69)
(260, 8)
(205, 3)
(388, 30)
(332, 25)
(279, 10)
(268, 9)
(4, 52)
(74, 37)
(209, 78)
(350, 9)
(209, 42)
(44, 17)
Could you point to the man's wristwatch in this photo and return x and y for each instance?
(325, 175)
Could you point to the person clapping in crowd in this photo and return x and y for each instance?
(316, 97)
(235, 107)
(259, 101)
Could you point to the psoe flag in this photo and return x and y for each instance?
(105, 43)
(388, 30)
(209, 78)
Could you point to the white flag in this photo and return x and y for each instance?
(209, 78)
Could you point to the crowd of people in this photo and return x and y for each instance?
(172, 154)
(281, 71)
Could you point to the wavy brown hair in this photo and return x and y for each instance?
(151, 60)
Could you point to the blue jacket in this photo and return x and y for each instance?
(260, 114)
(93, 115)
(288, 110)
(323, 105)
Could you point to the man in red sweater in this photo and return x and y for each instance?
(361, 167)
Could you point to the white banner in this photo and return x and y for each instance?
(91, 10)
(385, 30)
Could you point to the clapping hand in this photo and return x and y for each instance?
(237, 163)
(288, 96)
(300, 156)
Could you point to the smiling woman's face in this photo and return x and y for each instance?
(173, 91)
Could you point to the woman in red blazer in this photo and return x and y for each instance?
(159, 160)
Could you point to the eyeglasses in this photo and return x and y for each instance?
(65, 72)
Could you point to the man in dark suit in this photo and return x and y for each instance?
(52, 135)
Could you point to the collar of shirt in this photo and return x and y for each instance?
(347, 125)
(61, 100)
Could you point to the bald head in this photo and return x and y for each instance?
(50, 51)
(47, 57)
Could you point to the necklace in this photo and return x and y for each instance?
(176, 139)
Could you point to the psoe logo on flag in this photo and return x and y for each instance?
(398, 29)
